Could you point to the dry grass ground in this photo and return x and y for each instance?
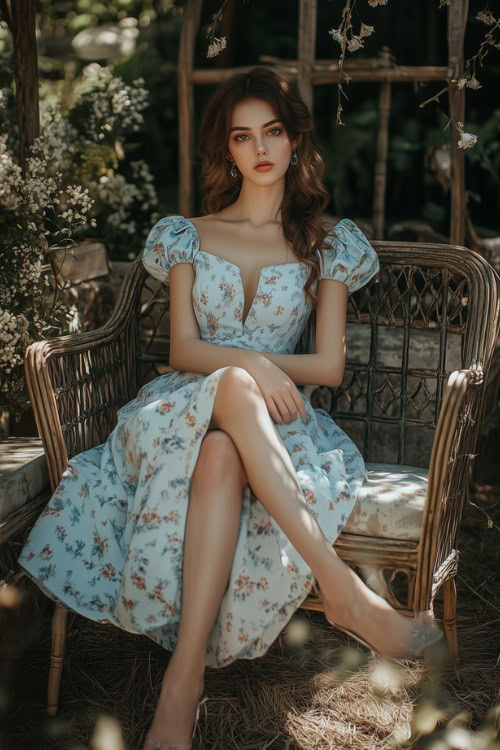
(317, 695)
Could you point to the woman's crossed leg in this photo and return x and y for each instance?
(245, 431)
(210, 538)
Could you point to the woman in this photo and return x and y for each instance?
(211, 510)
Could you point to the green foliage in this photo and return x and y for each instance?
(487, 151)
(351, 155)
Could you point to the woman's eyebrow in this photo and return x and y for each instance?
(237, 127)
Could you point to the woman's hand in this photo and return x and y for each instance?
(280, 392)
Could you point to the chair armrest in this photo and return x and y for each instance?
(448, 481)
(78, 382)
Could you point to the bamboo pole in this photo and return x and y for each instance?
(457, 19)
(380, 180)
(20, 17)
(322, 75)
(185, 81)
(306, 50)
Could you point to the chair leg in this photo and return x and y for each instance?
(450, 616)
(59, 627)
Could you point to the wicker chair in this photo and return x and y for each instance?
(409, 413)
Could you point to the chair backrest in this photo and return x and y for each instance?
(432, 309)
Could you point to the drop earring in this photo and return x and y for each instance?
(233, 171)
(295, 159)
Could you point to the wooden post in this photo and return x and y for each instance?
(20, 17)
(306, 50)
(190, 24)
(457, 19)
(380, 181)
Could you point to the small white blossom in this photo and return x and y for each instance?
(473, 83)
(217, 46)
(355, 43)
(467, 140)
(366, 30)
(336, 34)
(486, 17)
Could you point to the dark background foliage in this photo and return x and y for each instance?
(415, 33)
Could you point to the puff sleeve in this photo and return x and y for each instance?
(350, 258)
(173, 239)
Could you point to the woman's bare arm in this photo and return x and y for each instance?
(326, 366)
(188, 352)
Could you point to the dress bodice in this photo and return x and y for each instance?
(280, 309)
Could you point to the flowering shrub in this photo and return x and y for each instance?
(105, 112)
(33, 210)
(71, 187)
(86, 146)
(106, 108)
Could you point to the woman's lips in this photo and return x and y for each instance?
(264, 167)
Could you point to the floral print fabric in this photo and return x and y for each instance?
(109, 544)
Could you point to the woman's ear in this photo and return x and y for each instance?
(296, 141)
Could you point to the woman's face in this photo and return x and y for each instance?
(258, 135)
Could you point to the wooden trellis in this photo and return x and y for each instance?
(308, 72)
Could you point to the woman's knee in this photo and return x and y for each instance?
(236, 384)
(219, 458)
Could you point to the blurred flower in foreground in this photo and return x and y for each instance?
(9, 596)
(107, 735)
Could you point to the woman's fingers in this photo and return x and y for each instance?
(286, 407)
(273, 410)
(300, 404)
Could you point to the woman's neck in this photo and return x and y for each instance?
(256, 204)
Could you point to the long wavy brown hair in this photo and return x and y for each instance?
(304, 197)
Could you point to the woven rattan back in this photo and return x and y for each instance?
(429, 311)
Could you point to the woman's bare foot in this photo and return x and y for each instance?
(176, 710)
(352, 605)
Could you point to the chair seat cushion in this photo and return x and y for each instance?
(390, 503)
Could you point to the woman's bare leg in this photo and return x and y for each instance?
(211, 534)
(241, 411)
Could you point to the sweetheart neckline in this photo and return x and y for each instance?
(234, 265)
(274, 265)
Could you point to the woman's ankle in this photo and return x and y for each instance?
(341, 588)
(183, 677)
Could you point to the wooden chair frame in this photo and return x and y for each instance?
(78, 382)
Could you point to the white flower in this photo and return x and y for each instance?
(354, 44)
(366, 30)
(336, 34)
(473, 83)
(217, 46)
(486, 17)
(374, 3)
(467, 140)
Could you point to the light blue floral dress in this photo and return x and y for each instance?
(109, 543)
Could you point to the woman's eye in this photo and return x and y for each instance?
(243, 135)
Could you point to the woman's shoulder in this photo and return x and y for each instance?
(173, 239)
(348, 257)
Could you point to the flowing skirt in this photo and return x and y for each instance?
(109, 543)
